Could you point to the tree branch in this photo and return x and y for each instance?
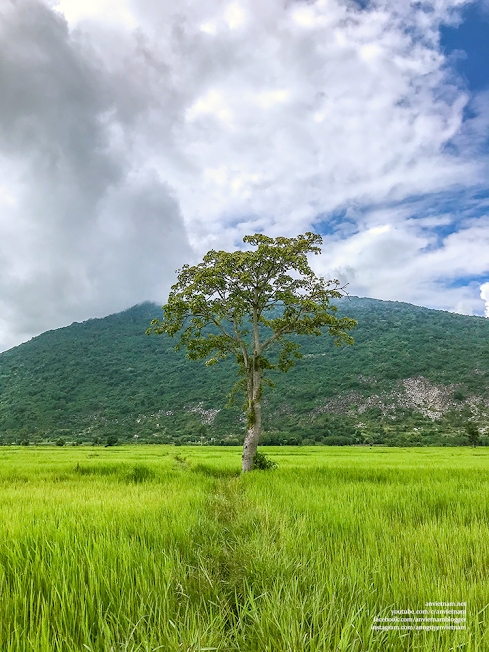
(288, 328)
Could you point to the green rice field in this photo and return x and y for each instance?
(144, 548)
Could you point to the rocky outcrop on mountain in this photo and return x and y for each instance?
(416, 394)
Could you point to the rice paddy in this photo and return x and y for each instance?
(167, 548)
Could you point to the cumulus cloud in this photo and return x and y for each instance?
(138, 134)
(485, 296)
(404, 261)
(83, 232)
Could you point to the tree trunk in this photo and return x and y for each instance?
(254, 379)
(254, 421)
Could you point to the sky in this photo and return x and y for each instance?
(136, 135)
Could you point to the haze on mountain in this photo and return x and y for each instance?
(136, 135)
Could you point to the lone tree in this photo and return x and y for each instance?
(232, 293)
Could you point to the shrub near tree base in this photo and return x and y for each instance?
(263, 463)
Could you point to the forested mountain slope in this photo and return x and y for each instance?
(412, 370)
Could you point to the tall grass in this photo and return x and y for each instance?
(163, 548)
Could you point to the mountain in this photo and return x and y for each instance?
(414, 376)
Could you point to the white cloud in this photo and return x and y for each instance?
(406, 263)
(234, 15)
(485, 296)
(81, 230)
(304, 122)
(116, 12)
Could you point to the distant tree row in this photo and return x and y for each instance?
(338, 433)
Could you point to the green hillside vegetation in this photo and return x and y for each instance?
(414, 376)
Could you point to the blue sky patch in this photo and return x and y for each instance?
(472, 38)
